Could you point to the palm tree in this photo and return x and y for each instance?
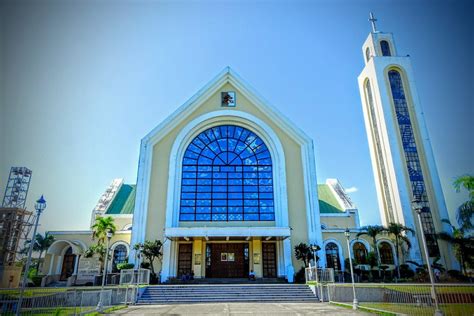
(463, 244)
(399, 232)
(373, 231)
(41, 244)
(100, 228)
(466, 210)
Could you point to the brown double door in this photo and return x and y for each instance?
(227, 260)
(269, 260)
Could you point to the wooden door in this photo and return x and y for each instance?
(68, 265)
(227, 260)
(269, 260)
(185, 259)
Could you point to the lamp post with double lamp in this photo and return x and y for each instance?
(109, 235)
(418, 207)
(315, 248)
(355, 303)
(39, 207)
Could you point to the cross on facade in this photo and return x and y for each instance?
(372, 21)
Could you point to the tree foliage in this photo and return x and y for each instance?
(151, 251)
(100, 228)
(399, 231)
(373, 231)
(40, 245)
(304, 253)
(465, 211)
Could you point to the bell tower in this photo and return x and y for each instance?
(402, 159)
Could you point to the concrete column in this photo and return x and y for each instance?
(59, 265)
(290, 271)
(198, 258)
(51, 264)
(76, 264)
(166, 263)
(257, 260)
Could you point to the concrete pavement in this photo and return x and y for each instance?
(240, 309)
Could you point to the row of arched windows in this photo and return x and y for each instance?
(359, 252)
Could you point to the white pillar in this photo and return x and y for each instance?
(165, 267)
(290, 271)
(76, 264)
(51, 264)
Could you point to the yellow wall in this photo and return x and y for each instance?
(294, 171)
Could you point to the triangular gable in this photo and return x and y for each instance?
(227, 75)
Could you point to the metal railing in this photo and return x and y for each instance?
(67, 301)
(408, 299)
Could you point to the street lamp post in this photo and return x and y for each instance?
(316, 248)
(39, 207)
(418, 207)
(355, 303)
(104, 275)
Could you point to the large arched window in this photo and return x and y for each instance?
(386, 254)
(360, 252)
(120, 256)
(332, 256)
(385, 47)
(227, 176)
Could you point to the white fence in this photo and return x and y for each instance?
(69, 301)
(131, 277)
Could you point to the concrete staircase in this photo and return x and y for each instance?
(214, 293)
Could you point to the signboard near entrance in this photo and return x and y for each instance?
(87, 270)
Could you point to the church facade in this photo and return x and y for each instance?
(230, 185)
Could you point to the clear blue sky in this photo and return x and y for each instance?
(83, 81)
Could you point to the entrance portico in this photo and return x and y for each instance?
(227, 252)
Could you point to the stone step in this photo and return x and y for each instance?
(226, 293)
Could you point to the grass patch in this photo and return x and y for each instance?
(108, 310)
(410, 309)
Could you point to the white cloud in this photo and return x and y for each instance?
(351, 190)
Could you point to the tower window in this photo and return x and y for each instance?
(412, 158)
(367, 54)
(385, 47)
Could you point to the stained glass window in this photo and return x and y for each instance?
(332, 256)
(412, 159)
(385, 47)
(360, 252)
(386, 254)
(120, 256)
(227, 176)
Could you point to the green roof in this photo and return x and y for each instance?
(327, 201)
(124, 200)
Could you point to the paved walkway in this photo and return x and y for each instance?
(240, 309)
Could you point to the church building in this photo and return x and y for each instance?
(229, 184)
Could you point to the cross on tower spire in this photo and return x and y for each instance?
(372, 20)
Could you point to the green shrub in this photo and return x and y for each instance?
(37, 280)
(125, 265)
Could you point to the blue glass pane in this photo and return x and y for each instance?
(250, 217)
(203, 217)
(227, 172)
(186, 217)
